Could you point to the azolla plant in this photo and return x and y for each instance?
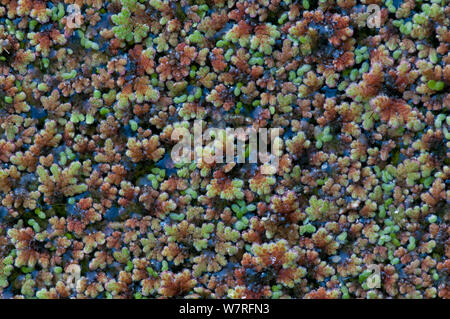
(92, 204)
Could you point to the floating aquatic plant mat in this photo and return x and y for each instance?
(224, 149)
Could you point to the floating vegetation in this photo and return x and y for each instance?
(92, 205)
